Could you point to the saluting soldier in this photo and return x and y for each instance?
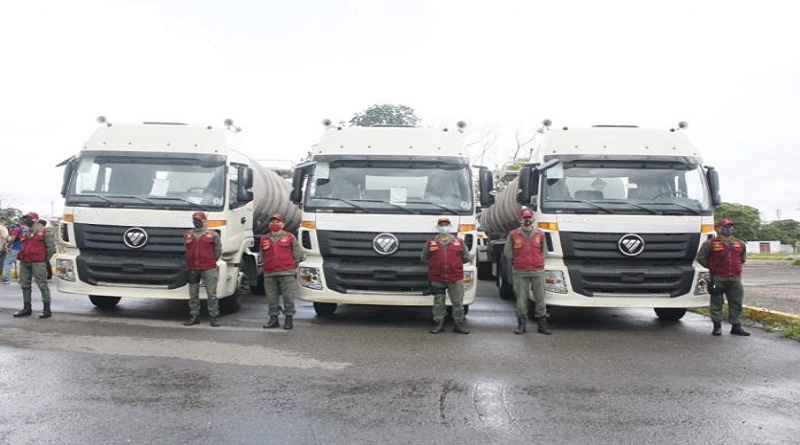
(445, 255)
(203, 249)
(38, 247)
(724, 257)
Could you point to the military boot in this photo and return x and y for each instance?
(459, 328)
(737, 330)
(25, 311)
(438, 327)
(717, 329)
(46, 311)
(214, 322)
(543, 326)
(193, 320)
(521, 328)
(272, 323)
(288, 322)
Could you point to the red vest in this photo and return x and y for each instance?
(200, 254)
(34, 248)
(528, 253)
(445, 263)
(278, 255)
(726, 261)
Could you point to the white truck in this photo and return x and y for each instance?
(624, 211)
(129, 196)
(370, 198)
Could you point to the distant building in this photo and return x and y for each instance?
(768, 247)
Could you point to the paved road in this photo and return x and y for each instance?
(772, 285)
(375, 376)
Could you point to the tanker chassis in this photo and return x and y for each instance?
(624, 211)
(129, 196)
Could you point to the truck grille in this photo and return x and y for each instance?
(597, 266)
(104, 257)
(352, 264)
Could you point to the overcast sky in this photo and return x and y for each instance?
(278, 68)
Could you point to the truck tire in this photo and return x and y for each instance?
(485, 271)
(104, 302)
(232, 303)
(258, 287)
(670, 313)
(324, 309)
(504, 283)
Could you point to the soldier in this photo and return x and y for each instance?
(203, 249)
(38, 247)
(525, 251)
(724, 256)
(281, 253)
(445, 255)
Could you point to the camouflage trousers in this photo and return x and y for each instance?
(527, 284)
(276, 286)
(210, 278)
(36, 272)
(733, 290)
(453, 289)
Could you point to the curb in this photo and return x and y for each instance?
(757, 313)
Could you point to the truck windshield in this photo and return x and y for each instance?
(625, 187)
(390, 187)
(136, 180)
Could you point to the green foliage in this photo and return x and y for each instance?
(787, 231)
(10, 214)
(747, 219)
(387, 114)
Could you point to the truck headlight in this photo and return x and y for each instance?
(65, 270)
(308, 277)
(469, 280)
(554, 281)
(702, 284)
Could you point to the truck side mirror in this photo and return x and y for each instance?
(527, 181)
(245, 184)
(486, 186)
(713, 185)
(69, 169)
(299, 176)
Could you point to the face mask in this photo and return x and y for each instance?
(527, 222)
(275, 227)
(198, 223)
(727, 231)
(443, 229)
(28, 222)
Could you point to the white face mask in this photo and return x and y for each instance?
(443, 229)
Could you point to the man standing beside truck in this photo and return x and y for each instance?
(445, 255)
(525, 250)
(38, 247)
(724, 257)
(281, 253)
(203, 249)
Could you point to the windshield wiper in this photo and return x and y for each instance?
(588, 203)
(383, 202)
(105, 200)
(346, 201)
(651, 211)
(445, 208)
(173, 198)
(693, 211)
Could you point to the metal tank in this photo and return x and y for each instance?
(271, 196)
(502, 216)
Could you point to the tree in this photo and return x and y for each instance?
(747, 219)
(10, 214)
(387, 114)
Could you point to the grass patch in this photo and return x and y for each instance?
(787, 328)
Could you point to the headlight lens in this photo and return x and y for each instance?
(469, 280)
(702, 284)
(554, 281)
(309, 278)
(65, 270)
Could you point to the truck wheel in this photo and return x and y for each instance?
(670, 313)
(231, 303)
(104, 302)
(258, 287)
(324, 309)
(485, 271)
(506, 288)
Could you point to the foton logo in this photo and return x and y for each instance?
(135, 238)
(385, 244)
(631, 244)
